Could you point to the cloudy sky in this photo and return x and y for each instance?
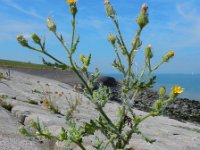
(174, 25)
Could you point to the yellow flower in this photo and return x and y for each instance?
(71, 1)
(177, 89)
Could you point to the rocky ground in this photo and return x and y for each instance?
(23, 98)
(181, 108)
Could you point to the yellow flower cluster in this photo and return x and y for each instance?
(71, 1)
(177, 89)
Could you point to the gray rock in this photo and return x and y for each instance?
(10, 139)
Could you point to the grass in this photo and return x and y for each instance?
(19, 64)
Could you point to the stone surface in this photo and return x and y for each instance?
(169, 134)
(10, 139)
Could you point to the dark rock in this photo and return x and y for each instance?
(180, 108)
(106, 81)
(111, 83)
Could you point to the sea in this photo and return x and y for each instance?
(190, 83)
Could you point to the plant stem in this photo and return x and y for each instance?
(135, 46)
(49, 55)
(142, 72)
(107, 118)
(119, 59)
(135, 94)
(145, 117)
(120, 35)
(156, 67)
(129, 135)
(63, 44)
(80, 76)
(150, 71)
(79, 144)
(73, 31)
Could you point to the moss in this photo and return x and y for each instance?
(30, 101)
(7, 106)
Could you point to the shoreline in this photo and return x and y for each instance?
(181, 109)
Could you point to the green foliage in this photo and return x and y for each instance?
(73, 104)
(39, 130)
(117, 133)
(48, 98)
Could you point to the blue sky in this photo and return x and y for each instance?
(174, 25)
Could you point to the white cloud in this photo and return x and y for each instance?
(182, 30)
(188, 23)
(30, 12)
(10, 28)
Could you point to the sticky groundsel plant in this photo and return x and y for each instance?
(118, 133)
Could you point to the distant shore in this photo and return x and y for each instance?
(67, 77)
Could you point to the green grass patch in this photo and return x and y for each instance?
(19, 64)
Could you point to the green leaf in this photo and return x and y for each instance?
(75, 45)
(151, 82)
(89, 128)
(61, 66)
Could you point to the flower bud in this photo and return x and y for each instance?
(109, 9)
(162, 91)
(84, 60)
(168, 56)
(72, 6)
(144, 7)
(148, 52)
(84, 68)
(22, 40)
(171, 54)
(82, 57)
(111, 38)
(142, 18)
(71, 1)
(36, 38)
(73, 9)
(51, 25)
